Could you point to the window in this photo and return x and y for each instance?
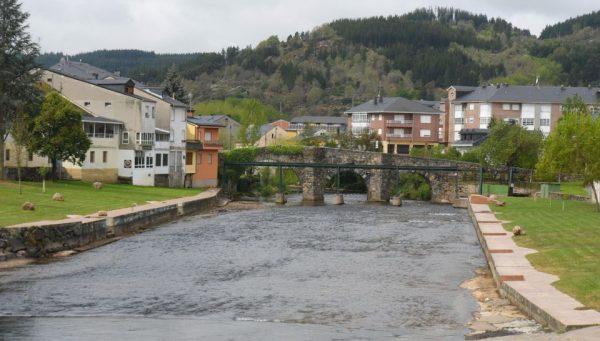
(189, 158)
(372, 117)
(161, 137)
(209, 161)
(527, 121)
(380, 117)
(87, 104)
(425, 133)
(506, 106)
(144, 138)
(105, 157)
(165, 161)
(199, 158)
(172, 135)
(207, 136)
(7, 154)
(516, 106)
(107, 104)
(92, 157)
(425, 118)
(158, 160)
(484, 120)
(30, 156)
(379, 131)
(459, 120)
(471, 106)
(149, 161)
(471, 119)
(544, 122)
(153, 109)
(138, 160)
(125, 138)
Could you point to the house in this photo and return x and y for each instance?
(533, 107)
(150, 134)
(402, 124)
(470, 138)
(271, 134)
(202, 151)
(30, 162)
(331, 124)
(229, 130)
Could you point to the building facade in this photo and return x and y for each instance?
(533, 107)
(202, 152)
(401, 124)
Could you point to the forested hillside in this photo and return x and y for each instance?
(336, 65)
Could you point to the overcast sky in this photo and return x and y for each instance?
(73, 26)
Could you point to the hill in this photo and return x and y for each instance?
(336, 65)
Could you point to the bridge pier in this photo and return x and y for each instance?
(313, 184)
(379, 184)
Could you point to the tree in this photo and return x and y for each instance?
(20, 133)
(17, 68)
(572, 147)
(58, 133)
(173, 84)
(508, 144)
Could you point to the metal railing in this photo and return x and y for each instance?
(400, 136)
(398, 123)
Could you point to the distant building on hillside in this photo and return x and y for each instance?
(401, 123)
(271, 134)
(328, 124)
(533, 107)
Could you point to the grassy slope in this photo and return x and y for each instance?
(568, 242)
(80, 198)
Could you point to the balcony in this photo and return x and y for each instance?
(394, 123)
(213, 144)
(199, 145)
(399, 136)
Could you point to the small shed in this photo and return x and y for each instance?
(549, 187)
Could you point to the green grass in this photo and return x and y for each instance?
(495, 189)
(573, 188)
(568, 242)
(80, 198)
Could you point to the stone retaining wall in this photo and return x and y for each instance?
(40, 239)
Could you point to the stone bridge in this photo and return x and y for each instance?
(445, 185)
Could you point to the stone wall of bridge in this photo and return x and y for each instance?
(445, 186)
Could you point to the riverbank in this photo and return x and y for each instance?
(45, 238)
(519, 281)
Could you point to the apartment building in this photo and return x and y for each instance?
(320, 125)
(402, 124)
(146, 130)
(533, 107)
(202, 151)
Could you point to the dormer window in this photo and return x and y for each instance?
(107, 104)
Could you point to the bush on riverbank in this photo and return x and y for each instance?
(413, 186)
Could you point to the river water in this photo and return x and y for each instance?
(358, 271)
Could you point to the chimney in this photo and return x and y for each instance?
(190, 112)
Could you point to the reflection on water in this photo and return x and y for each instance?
(367, 271)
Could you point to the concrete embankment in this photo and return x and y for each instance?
(516, 279)
(39, 239)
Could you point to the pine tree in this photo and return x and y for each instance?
(173, 85)
(17, 65)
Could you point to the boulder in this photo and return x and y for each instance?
(493, 197)
(98, 185)
(500, 203)
(102, 213)
(28, 206)
(58, 197)
(518, 230)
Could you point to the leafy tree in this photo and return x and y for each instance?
(511, 145)
(173, 85)
(58, 133)
(20, 133)
(17, 65)
(437, 152)
(572, 147)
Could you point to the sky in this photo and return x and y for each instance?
(177, 26)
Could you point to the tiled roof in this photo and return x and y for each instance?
(203, 121)
(529, 94)
(393, 105)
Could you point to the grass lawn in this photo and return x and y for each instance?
(568, 242)
(80, 198)
(495, 189)
(574, 188)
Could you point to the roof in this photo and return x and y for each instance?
(461, 88)
(434, 104)
(529, 94)
(202, 121)
(99, 119)
(319, 119)
(83, 71)
(159, 93)
(265, 128)
(398, 105)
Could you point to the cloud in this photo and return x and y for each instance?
(75, 26)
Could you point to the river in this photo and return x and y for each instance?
(357, 271)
